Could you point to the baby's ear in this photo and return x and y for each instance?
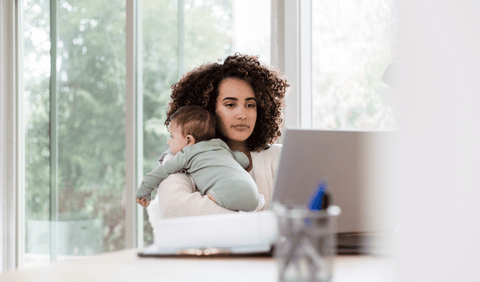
(190, 140)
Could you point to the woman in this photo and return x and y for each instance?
(246, 98)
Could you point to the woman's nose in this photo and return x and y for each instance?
(241, 114)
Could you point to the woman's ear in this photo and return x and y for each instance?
(190, 140)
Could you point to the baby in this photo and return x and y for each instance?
(217, 171)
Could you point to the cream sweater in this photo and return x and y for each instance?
(178, 197)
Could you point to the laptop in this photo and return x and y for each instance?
(338, 158)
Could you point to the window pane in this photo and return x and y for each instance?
(36, 76)
(91, 127)
(352, 47)
(213, 29)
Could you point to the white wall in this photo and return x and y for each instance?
(437, 164)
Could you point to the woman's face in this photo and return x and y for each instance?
(236, 109)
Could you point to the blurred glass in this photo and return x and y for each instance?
(91, 127)
(212, 30)
(91, 106)
(353, 43)
(91, 122)
(306, 246)
(36, 75)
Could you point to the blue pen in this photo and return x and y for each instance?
(320, 198)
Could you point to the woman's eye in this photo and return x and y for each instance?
(251, 106)
(230, 105)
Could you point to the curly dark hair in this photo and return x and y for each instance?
(200, 87)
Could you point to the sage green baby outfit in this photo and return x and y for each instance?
(215, 169)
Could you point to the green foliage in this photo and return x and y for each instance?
(91, 99)
(206, 35)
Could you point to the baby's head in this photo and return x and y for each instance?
(190, 125)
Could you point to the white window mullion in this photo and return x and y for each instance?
(292, 53)
(181, 37)
(277, 40)
(130, 140)
(139, 117)
(305, 60)
(53, 134)
(292, 60)
(8, 138)
(20, 157)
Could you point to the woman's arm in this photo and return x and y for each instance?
(177, 197)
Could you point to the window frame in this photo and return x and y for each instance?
(290, 52)
(11, 145)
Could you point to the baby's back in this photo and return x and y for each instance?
(217, 171)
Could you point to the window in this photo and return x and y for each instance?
(75, 117)
(178, 36)
(75, 121)
(352, 48)
(74, 128)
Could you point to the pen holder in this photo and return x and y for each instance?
(306, 244)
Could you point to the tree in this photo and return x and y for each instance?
(91, 100)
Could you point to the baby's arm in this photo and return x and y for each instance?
(154, 178)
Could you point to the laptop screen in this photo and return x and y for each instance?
(346, 161)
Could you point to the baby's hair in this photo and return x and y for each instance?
(195, 121)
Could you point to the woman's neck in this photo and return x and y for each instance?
(238, 146)
(242, 147)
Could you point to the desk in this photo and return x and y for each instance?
(127, 266)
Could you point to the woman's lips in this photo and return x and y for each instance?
(241, 127)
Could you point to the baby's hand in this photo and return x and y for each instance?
(143, 202)
(212, 198)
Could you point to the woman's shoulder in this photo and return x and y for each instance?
(273, 151)
(268, 159)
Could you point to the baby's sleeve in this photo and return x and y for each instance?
(154, 178)
(241, 158)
